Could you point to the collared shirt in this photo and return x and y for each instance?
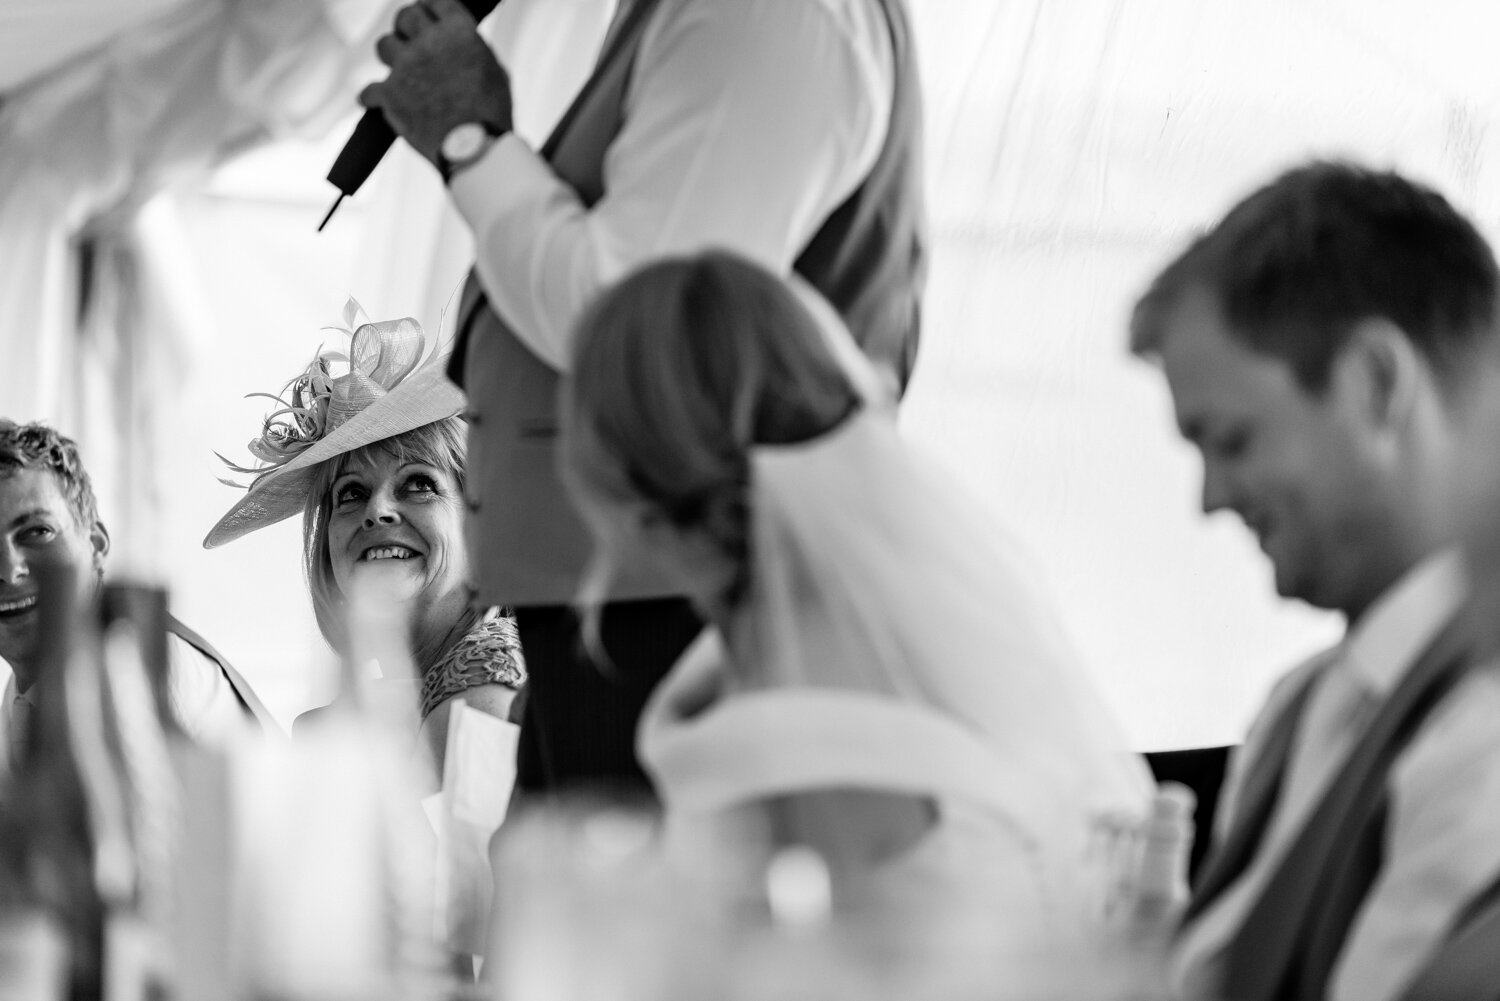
(1443, 832)
(747, 122)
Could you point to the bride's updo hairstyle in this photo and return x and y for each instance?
(677, 371)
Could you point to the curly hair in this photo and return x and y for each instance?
(37, 446)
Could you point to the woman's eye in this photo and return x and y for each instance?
(348, 493)
(421, 483)
(38, 533)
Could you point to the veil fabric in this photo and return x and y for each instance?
(874, 570)
(894, 636)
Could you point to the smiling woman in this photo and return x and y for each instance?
(389, 517)
(374, 460)
(391, 521)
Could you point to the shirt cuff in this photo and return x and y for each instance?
(508, 176)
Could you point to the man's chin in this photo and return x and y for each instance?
(20, 652)
(1294, 585)
(1317, 593)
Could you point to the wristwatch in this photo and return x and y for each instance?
(464, 144)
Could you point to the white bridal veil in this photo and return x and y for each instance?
(875, 569)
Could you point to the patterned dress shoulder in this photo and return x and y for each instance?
(489, 654)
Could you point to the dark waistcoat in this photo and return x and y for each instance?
(527, 544)
(1293, 934)
(1466, 964)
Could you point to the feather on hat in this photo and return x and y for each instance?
(388, 389)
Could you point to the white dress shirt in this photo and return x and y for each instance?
(1442, 840)
(747, 122)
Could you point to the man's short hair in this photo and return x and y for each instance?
(36, 446)
(1296, 265)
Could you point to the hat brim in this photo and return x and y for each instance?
(422, 398)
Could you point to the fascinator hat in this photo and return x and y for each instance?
(391, 386)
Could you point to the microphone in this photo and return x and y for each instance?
(373, 136)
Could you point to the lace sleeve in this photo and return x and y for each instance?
(489, 654)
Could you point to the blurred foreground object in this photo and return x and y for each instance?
(594, 900)
(88, 819)
(335, 898)
(135, 864)
(1159, 893)
(479, 771)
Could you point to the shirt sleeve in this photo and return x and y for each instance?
(747, 123)
(1442, 844)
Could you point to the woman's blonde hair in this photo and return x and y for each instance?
(677, 371)
(441, 444)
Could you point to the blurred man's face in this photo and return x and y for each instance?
(37, 525)
(1293, 464)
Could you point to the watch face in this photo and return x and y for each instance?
(463, 141)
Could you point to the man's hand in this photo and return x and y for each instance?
(442, 74)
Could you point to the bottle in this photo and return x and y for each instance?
(51, 911)
(40, 817)
(1167, 841)
(130, 777)
(1134, 966)
(93, 796)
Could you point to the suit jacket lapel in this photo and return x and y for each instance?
(1265, 956)
(1258, 800)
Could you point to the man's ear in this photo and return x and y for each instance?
(99, 539)
(1379, 374)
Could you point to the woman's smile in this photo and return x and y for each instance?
(399, 525)
(387, 553)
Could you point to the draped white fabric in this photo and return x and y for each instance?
(37, 36)
(86, 143)
(1072, 146)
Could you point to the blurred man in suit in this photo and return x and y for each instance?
(1324, 345)
(787, 131)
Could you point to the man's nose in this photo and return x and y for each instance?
(13, 568)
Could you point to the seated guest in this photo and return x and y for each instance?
(1466, 966)
(1321, 344)
(48, 512)
(885, 683)
(373, 460)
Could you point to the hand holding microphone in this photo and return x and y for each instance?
(443, 74)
